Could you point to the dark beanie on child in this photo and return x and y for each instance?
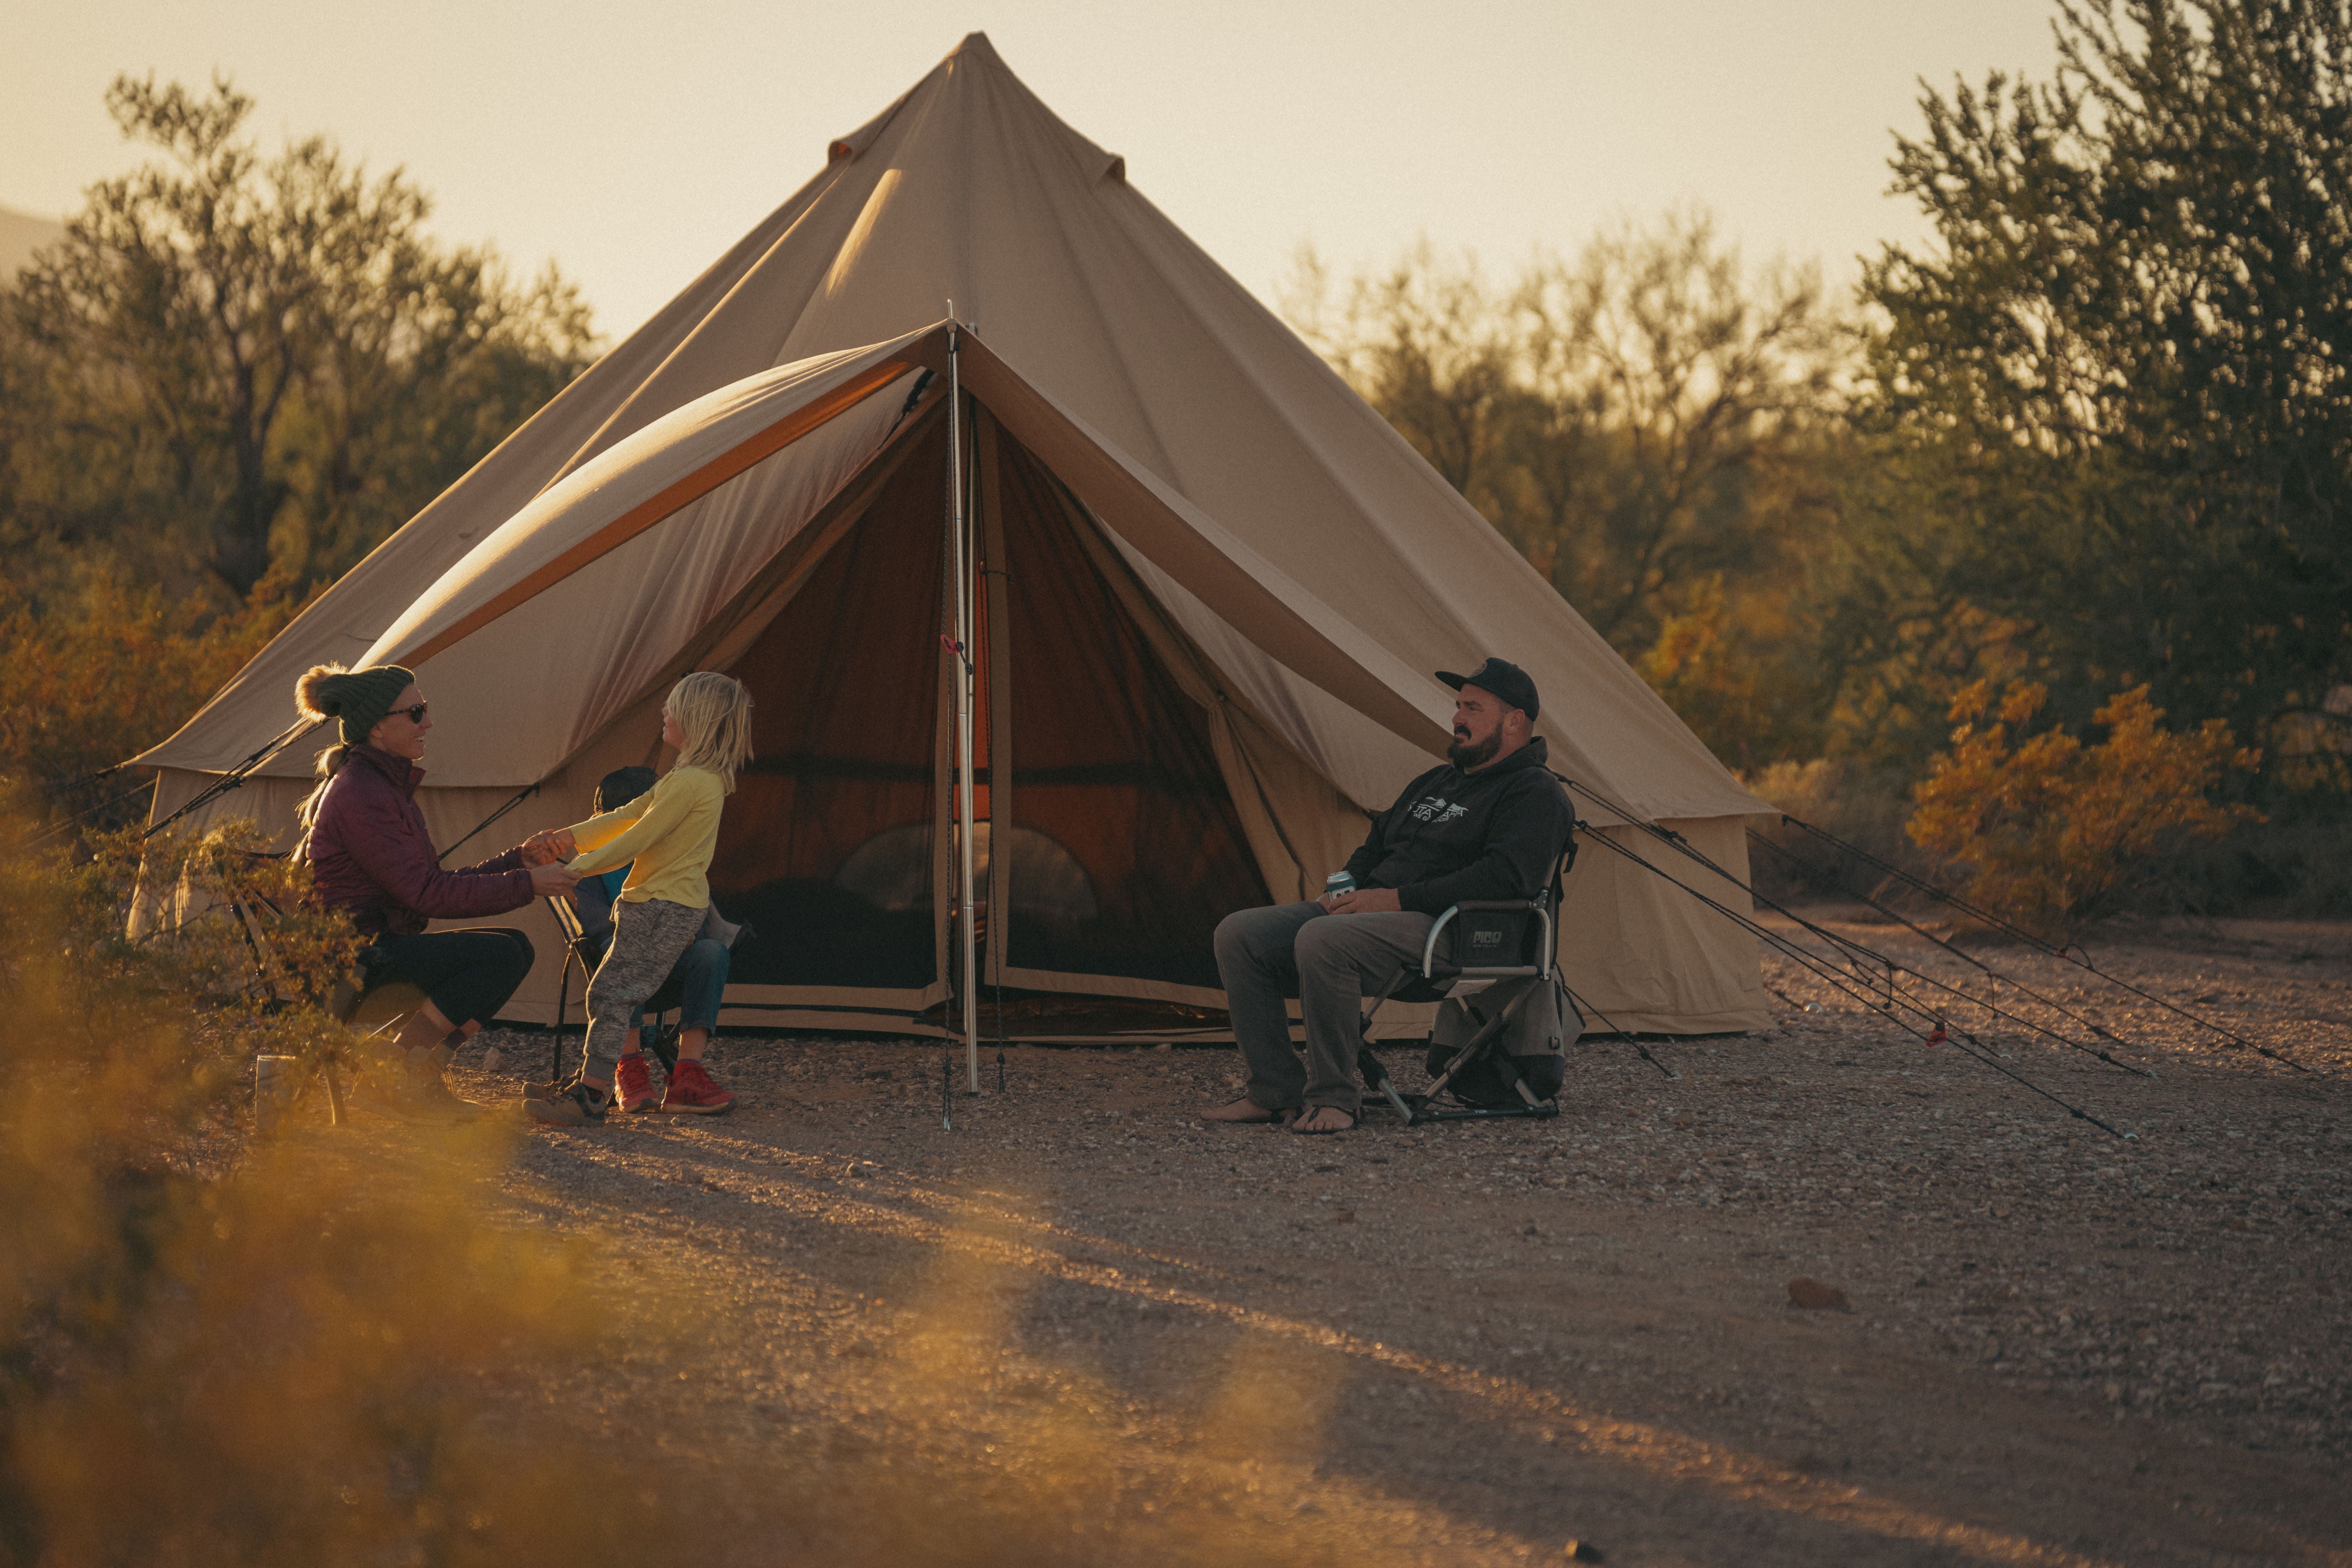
(358, 697)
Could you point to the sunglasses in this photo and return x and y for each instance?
(414, 715)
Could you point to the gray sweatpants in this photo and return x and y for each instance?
(647, 939)
(1267, 955)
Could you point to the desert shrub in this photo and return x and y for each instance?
(2045, 830)
(1864, 805)
(93, 679)
(203, 1357)
(2287, 867)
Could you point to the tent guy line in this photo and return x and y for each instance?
(1893, 967)
(1968, 1042)
(2071, 953)
(1825, 880)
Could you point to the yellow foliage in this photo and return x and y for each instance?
(1704, 664)
(87, 683)
(2050, 828)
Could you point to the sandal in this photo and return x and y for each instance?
(1239, 1114)
(1313, 1113)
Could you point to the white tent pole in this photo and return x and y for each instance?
(961, 553)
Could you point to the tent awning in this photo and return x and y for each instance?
(658, 473)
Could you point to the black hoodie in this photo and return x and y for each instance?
(1453, 835)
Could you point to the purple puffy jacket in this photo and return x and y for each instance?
(369, 853)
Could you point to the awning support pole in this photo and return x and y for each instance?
(960, 554)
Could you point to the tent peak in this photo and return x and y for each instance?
(981, 63)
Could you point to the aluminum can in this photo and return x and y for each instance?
(1338, 882)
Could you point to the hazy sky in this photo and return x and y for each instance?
(634, 142)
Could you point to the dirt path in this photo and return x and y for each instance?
(1481, 1342)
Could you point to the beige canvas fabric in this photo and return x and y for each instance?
(1307, 568)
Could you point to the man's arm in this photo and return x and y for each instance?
(1529, 830)
(1372, 851)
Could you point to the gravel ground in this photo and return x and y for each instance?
(1488, 1342)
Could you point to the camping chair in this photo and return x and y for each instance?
(351, 1003)
(576, 945)
(1502, 954)
(671, 994)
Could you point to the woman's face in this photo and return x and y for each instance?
(402, 731)
(673, 732)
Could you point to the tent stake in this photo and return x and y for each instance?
(959, 554)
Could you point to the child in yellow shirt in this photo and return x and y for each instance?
(666, 837)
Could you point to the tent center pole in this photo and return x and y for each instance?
(960, 554)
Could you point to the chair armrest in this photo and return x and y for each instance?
(1539, 906)
(1429, 948)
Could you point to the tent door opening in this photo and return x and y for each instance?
(1106, 847)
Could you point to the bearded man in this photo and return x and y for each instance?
(1487, 824)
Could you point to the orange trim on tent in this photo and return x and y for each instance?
(647, 513)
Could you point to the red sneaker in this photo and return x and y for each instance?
(632, 1086)
(691, 1090)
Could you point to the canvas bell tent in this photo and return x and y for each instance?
(1102, 524)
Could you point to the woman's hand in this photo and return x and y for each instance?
(552, 879)
(549, 844)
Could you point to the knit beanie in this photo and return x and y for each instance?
(359, 697)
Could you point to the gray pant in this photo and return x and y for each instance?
(647, 938)
(1265, 956)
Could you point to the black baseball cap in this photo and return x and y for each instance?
(1501, 676)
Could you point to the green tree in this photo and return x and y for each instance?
(2111, 396)
(244, 371)
(1651, 425)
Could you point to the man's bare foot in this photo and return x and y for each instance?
(1245, 1109)
(1320, 1119)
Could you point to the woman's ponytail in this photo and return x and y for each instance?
(329, 763)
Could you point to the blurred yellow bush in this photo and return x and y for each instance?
(360, 1348)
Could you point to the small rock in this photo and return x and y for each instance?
(1685, 1120)
(1582, 1552)
(1814, 1296)
(1345, 1216)
(491, 1057)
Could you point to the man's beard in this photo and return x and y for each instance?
(1468, 755)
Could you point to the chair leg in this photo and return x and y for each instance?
(1477, 1047)
(1374, 1071)
(562, 1007)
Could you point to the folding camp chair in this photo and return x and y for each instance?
(671, 994)
(351, 1003)
(1500, 961)
(576, 946)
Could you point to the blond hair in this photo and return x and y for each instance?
(715, 711)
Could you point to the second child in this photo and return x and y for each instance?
(666, 837)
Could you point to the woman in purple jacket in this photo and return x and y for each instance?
(365, 841)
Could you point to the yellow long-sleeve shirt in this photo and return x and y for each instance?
(666, 837)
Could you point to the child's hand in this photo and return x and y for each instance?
(550, 843)
(551, 881)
